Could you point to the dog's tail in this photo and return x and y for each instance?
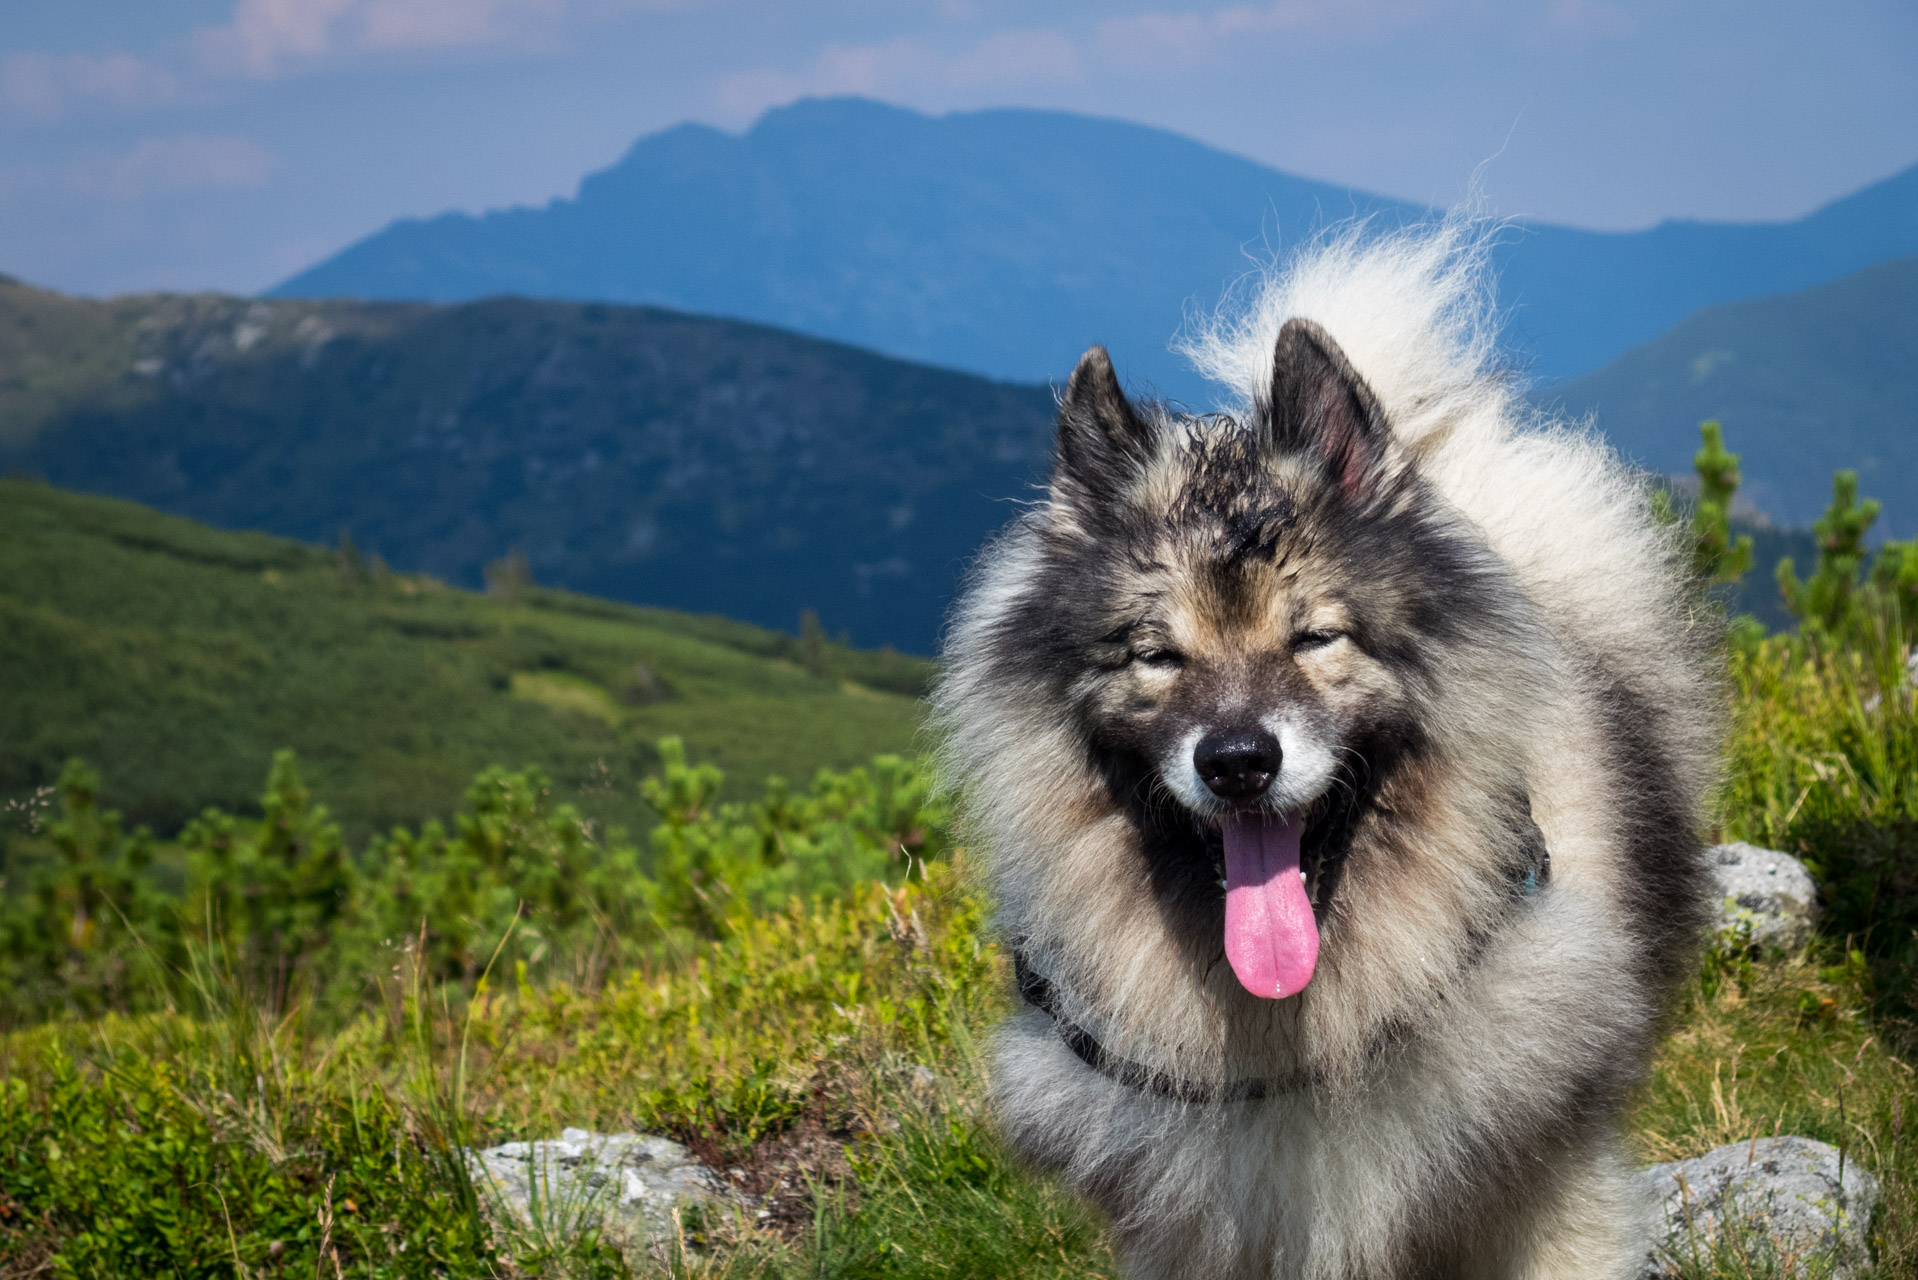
(1413, 309)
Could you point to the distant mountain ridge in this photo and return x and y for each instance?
(1806, 383)
(1006, 241)
(633, 453)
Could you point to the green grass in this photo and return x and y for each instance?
(1786, 1045)
(1823, 763)
(787, 1051)
(207, 1141)
(177, 658)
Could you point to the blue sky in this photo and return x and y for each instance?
(227, 143)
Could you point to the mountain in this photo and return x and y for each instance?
(631, 453)
(177, 658)
(1003, 242)
(1806, 383)
(1006, 241)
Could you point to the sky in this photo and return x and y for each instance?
(226, 144)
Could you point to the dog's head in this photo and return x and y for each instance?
(1245, 616)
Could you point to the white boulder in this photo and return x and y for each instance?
(1767, 1202)
(629, 1181)
(1768, 892)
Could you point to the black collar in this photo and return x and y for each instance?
(1038, 991)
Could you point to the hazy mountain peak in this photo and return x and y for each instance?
(1006, 241)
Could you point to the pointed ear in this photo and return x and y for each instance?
(1103, 442)
(1321, 406)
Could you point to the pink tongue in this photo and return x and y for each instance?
(1270, 935)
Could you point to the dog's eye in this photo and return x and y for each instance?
(1315, 639)
(1164, 659)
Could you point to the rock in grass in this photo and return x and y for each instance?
(1763, 1203)
(629, 1182)
(1770, 892)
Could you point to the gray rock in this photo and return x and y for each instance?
(1770, 892)
(1775, 1199)
(627, 1182)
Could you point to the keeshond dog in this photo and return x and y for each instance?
(1337, 762)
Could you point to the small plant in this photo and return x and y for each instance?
(275, 890)
(511, 576)
(280, 906)
(1894, 576)
(1825, 601)
(1717, 557)
(812, 642)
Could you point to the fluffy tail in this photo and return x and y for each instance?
(1412, 308)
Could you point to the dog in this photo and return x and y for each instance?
(1338, 763)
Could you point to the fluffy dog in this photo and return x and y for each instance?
(1338, 763)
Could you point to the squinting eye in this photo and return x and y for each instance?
(1162, 658)
(1315, 639)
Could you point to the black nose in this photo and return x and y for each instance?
(1237, 766)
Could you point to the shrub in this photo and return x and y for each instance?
(1840, 603)
(277, 906)
(78, 932)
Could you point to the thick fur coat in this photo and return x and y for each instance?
(1486, 701)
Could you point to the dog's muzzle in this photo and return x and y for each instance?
(1237, 765)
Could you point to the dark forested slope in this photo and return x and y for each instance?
(1805, 383)
(633, 453)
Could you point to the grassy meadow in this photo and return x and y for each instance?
(177, 658)
(253, 1046)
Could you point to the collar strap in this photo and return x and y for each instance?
(1037, 990)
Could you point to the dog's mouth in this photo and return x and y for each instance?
(1278, 872)
(1271, 931)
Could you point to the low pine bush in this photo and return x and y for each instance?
(279, 907)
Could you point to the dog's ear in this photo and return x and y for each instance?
(1321, 406)
(1103, 441)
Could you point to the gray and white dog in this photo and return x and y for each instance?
(1337, 761)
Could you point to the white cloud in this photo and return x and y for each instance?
(187, 162)
(153, 167)
(1208, 32)
(264, 39)
(1577, 23)
(43, 86)
(263, 34)
(267, 38)
(1028, 57)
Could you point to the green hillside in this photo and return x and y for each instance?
(177, 658)
(1805, 383)
(627, 452)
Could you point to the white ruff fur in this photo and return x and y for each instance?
(1397, 1162)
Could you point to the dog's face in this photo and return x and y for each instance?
(1246, 599)
(1245, 686)
(1244, 618)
